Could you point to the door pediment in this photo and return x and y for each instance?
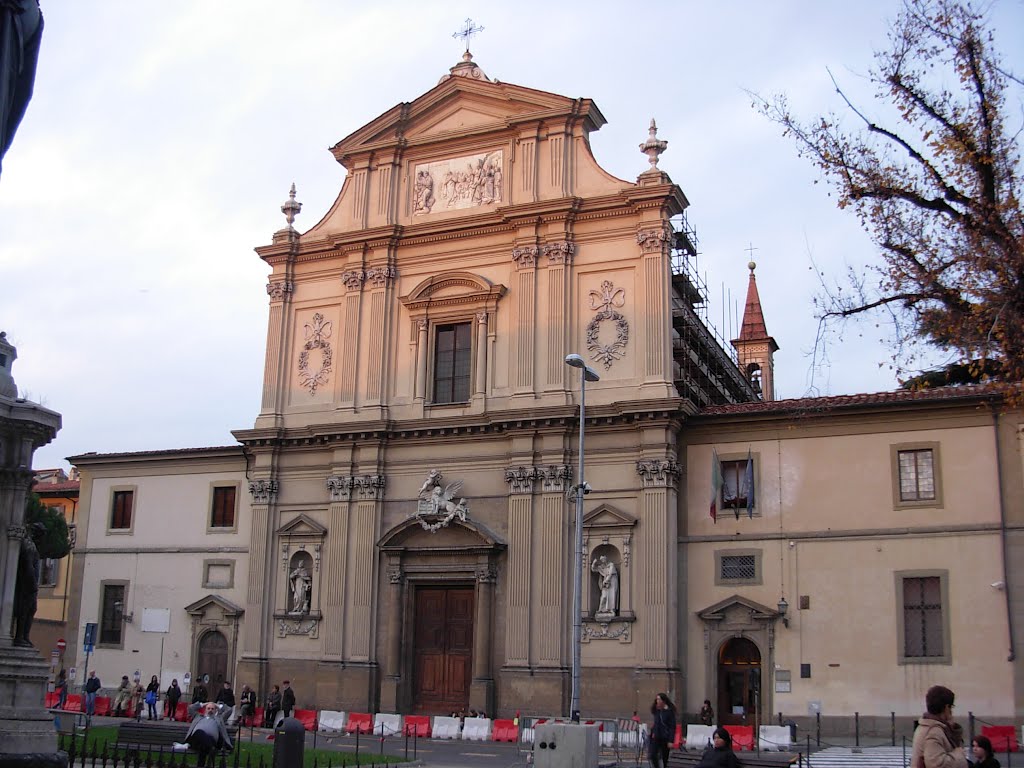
(214, 606)
(738, 609)
(458, 535)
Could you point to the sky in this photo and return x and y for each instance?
(164, 135)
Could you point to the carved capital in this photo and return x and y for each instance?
(369, 487)
(394, 574)
(16, 532)
(486, 574)
(340, 487)
(657, 473)
(277, 289)
(520, 480)
(353, 279)
(556, 477)
(263, 491)
(380, 276)
(525, 256)
(652, 240)
(560, 252)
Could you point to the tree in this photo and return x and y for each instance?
(54, 543)
(939, 194)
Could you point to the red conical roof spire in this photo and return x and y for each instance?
(753, 327)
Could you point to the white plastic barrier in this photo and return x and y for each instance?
(386, 725)
(698, 736)
(446, 727)
(331, 722)
(774, 737)
(476, 729)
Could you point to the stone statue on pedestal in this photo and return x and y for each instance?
(26, 587)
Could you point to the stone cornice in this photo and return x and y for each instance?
(667, 412)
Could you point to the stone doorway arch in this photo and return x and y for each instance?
(215, 628)
(460, 559)
(739, 656)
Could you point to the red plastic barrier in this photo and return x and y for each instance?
(102, 706)
(257, 716)
(74, 703)
(417, 725)
(742, 736)
(1003, 737)
(679, 740)
(50, 700)
(505, 730)
(359, 722)
(307, 717)
(181, 712)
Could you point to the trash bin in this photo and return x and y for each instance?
(289, 744)
(791, 724)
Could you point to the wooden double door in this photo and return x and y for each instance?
(443, 649)
(739, 683)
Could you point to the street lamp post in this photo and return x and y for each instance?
(586, 374)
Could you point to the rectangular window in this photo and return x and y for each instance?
(738, 566)
(111, 613)
(734, 484)
(917, 475)
(922, 617)
(121, 510)
(452, 363)
(923, 605)
(48, 572)
(223, 512)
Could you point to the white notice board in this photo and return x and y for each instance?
(156, 619)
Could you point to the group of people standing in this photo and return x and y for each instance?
(938, 740)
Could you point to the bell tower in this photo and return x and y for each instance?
(754, 347)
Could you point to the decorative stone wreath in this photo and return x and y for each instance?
(604, 301)
(317, 334)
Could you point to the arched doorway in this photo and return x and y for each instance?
(739, 682)
(212, 660)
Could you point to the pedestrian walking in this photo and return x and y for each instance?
(663, 730)
(938, 740)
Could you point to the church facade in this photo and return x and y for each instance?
(405, 540)
(416, 445)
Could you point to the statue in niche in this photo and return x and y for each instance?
(608, 581)
(301, 584)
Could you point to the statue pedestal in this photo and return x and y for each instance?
(27, 735)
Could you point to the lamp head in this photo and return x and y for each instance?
(575, 361)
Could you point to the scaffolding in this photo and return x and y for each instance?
(706, 369)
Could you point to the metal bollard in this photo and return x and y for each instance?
(856, 729)
(892, 725)
(817, 726)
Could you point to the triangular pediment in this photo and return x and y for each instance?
(302, 525)
(737, 604)
(457, 536)
(204, 605)
(462, 106)
(607, 516)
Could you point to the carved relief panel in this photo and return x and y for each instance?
(461, 182)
